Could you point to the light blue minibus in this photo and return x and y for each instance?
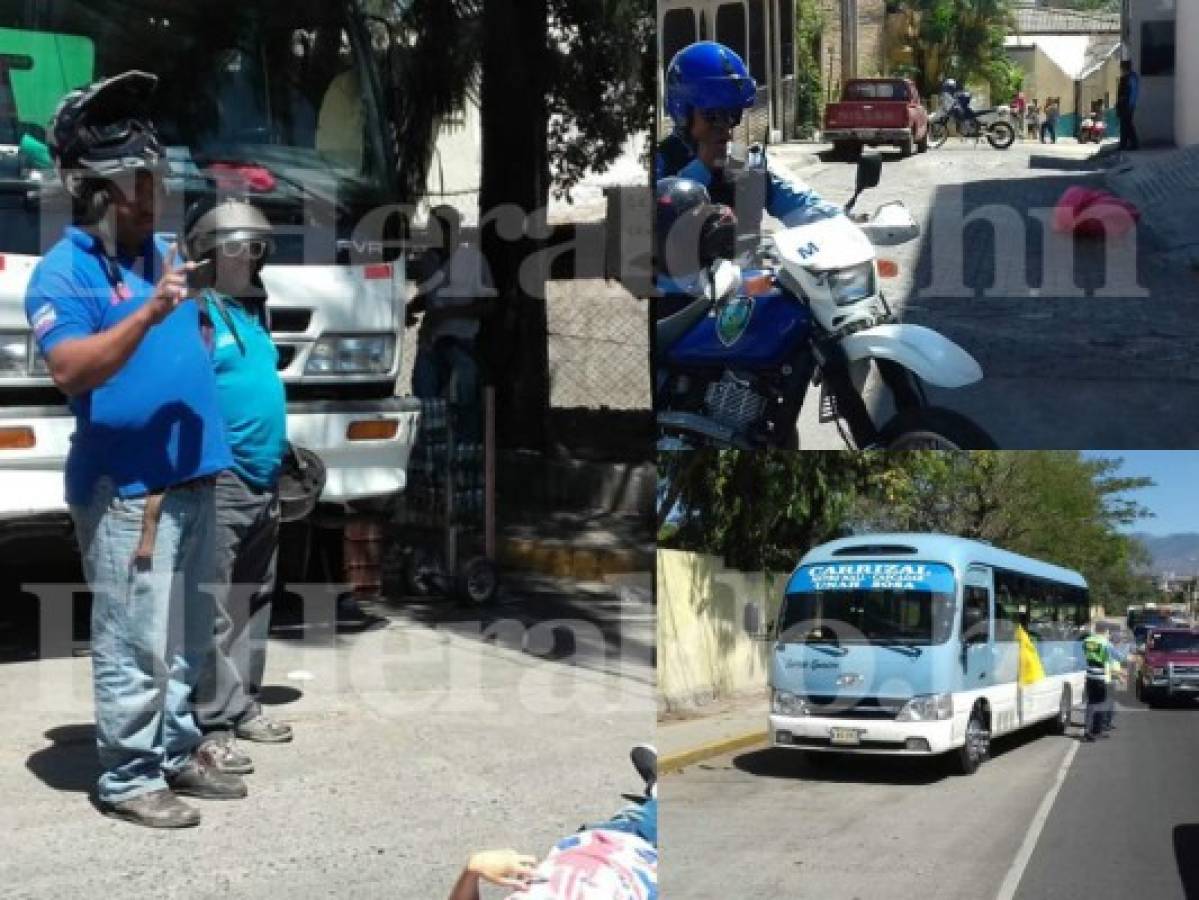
(910, 644)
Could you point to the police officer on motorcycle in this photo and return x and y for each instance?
(707, 89)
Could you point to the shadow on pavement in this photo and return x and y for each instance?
(1186, 855)
(70, 763)
(852, 768)
(840, 767)
(1065, 163)
(278, 695)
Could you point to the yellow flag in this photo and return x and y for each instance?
(1030, 661)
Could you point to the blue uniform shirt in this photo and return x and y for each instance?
(155, 423)
(791, 202)
(252, 397)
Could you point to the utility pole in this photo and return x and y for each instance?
(849, 40)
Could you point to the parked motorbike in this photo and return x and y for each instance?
(733, 366)
(987, 123)
(1092, 129)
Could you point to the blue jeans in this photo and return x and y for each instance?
(150, 630)
(640, 819)
(432, 371)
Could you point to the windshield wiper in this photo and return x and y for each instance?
(899, 647)
(202, 162)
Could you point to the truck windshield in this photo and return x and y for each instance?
(878, 603)
(876, 90)
(1174, 642)
(285, 86)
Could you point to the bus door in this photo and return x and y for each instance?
(989, 663)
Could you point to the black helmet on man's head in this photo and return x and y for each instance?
(105, 129)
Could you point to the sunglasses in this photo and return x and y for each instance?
(254, 249)
(729, 118)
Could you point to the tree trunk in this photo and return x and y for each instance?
(515, 176)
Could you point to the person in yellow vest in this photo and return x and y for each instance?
(1097, 651)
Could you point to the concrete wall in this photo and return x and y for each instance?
(1186, 107)
(1155, 116)
(704, 653)
(871, 31)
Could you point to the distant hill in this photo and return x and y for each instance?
(1172, 553)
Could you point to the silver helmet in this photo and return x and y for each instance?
(227, 221)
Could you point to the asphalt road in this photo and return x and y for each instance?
(1081, 346)
(1124, 823)
(444, 733)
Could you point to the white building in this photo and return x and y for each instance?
(1161, 37)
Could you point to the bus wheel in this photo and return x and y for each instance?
(978, 741)
(1062, 721)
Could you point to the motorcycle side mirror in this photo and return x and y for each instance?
(723, 280)
(870, 171)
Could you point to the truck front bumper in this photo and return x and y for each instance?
(829, 734)
(869, 135)
(31, 480)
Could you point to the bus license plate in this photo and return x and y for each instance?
(845, 736)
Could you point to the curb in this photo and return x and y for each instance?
(563, 561)
(677, 761)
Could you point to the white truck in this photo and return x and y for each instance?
(286, 101)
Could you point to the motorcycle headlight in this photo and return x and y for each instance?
(352, 355)
(14, 354)
(784, 703)
(852, 284)
(926, 708)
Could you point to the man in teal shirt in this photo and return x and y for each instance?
(231, 240)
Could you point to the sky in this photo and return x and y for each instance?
(1174, 499)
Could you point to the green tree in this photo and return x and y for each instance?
(762, 510)
(562, 84)
(961, 39)
(565, 83)
(809, 79)
(759, 509)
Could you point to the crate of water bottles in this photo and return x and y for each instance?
(436, 463)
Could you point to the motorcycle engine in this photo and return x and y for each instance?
(732, 401)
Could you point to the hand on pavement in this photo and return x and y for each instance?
(507, 868)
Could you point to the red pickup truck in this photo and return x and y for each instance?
(877, 111)
(1169, 668)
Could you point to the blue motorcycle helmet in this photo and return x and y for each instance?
(707, 75)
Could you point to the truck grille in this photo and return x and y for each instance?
(1185, 671)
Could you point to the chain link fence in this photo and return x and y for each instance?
(598, 347)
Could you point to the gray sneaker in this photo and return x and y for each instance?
(201, 778)
(154, 809)
(263, 730)
(222, 752)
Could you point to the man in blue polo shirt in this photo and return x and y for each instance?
(110, 312)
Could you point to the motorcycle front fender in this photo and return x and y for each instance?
(931, 356)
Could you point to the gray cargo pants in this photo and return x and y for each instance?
(246, 546)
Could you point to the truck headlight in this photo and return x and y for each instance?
(850, 285)
(352, 354)
(14, 354)
(1159, 672)
(783, 703)
(926, 708)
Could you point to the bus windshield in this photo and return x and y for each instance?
(284, 86)
(875, 602)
